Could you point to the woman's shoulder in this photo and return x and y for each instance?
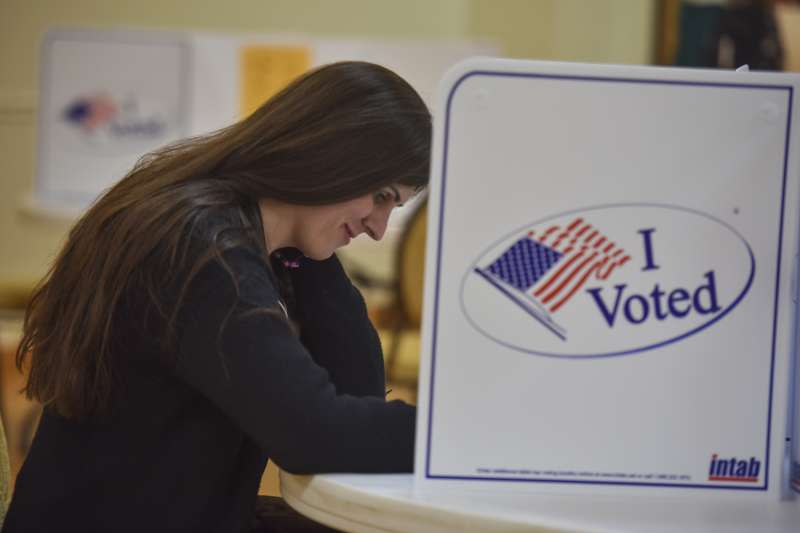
(222, 260)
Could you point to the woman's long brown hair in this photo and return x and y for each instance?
(335, 133)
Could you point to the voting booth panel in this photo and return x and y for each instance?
(610, 280)
(794, 419)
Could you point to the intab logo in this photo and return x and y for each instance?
(733, 469)
(608, 280)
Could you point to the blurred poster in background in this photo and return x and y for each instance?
(788, 17)
(110, 96)
(763, 34)
(106, 99)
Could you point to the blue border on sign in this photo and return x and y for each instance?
(790, 93)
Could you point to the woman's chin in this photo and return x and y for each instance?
(318, 255)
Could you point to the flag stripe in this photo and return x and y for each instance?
(561, 271)
(611, 267)
(571, 275)
(574, 223)
(580, 282)
(575, 287)
(555, 276)
(583, 230)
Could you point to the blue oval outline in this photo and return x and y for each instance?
(624, 352)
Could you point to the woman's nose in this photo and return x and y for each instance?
(375, 223)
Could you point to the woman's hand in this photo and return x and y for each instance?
(335, 328)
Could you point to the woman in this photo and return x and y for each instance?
(164, 342)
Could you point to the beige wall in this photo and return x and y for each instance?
(617, 31)
(595, 31)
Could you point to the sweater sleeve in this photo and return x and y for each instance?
(335, 328)
(265, 381)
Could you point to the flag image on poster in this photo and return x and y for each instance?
(92, 112)
(542, 273)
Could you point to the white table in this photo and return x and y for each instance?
(373, 503)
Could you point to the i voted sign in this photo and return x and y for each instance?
(608, 280)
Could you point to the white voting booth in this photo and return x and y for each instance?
(611, 281)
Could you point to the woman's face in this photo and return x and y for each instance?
(320, 230)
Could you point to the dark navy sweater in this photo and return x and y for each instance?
(186, 449)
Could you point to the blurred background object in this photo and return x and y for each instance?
(788, 16)
(175, 67)
(108, 96)
(401, 339)
(728, 33)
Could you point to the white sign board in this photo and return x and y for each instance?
(794, 423)
(107, 98)
(609, 280)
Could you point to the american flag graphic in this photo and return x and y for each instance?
(92, 112)
(543, 270)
